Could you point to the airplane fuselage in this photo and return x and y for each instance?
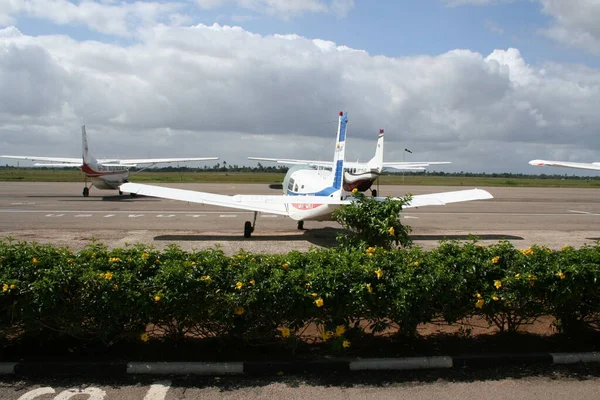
(359, 178)
(106, 177)
(308, 181)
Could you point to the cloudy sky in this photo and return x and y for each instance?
(485, 84)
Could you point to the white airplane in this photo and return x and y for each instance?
(310, 194)
(566, 164)
(105, 174)
(361, 175)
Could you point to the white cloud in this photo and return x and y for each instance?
(284, 8)
(219, 90)
(576, 23)
(121, 19)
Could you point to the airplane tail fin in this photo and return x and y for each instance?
(87, 157)
(338, 156)
(377, 161)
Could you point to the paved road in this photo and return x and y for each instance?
(574, 383)
(57, 213)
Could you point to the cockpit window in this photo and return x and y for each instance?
(291, 184)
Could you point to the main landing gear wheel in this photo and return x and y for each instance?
(300, 225)
(86, 191)
(120, 193)
(249, 226)
(374, 192)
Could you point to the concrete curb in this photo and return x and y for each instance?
(126, 368)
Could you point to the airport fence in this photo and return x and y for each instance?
(141, 293)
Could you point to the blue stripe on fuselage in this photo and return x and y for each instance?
(344, 121)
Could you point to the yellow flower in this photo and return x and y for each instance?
(566, 247)
(527, 252)
(495, 298)
(480, 303)
(370, 250)
(369, 288)
(495, 260)
(378, 273)
(108, 276)
(239, 285)
(239, 311)
(252, 282)
(415, 264)
(145, 256)
(319, 302)
(498, 284)
(5, 287)
(116, 287)
(314, 295)
(70, 261)
(34, 260)
(144, 337)
(478, 295)
(285, 332)
(157, 298)
(193, 262)
(518, 276)
(240, 257)
(205, 278)
(114, 259)
(561, 275)
(354, 191)
(286, 266)
(340, 330)
(391, 231)
(346, 344)
(325, 335)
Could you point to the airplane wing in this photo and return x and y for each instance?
(295, 162)
(262, 203)
(65, 160)
(412, 165)
(156, 160)
(416, 165)
(566, 164)
(443, 198)
(279, 204)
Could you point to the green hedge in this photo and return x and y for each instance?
(141, 293)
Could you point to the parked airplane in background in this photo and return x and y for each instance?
(566, 164)
(106, 174)
(360, 175)
(309, 193)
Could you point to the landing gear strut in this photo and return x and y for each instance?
(300, 225)
(249, 226)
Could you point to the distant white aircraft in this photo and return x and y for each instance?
(361, 175)
(105, 174)
(566, 164)
(309, 193)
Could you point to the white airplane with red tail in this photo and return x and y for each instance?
(310, 194)
(105, 174)
(361, 175)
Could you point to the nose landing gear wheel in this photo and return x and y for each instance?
(300, 225)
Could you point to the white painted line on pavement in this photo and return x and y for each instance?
(158, 391)
(32, 394)
(109, 215)
(83, 215)
(165, 215)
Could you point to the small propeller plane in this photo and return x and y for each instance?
(104, 174)
(361, 175)
(566, 164)
(310, 194)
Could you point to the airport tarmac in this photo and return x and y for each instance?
(57, 213)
